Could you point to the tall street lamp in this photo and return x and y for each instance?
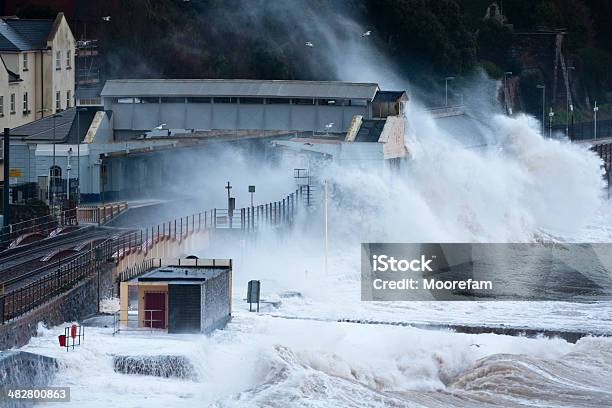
(543, 88)
(506, 92)
(569, 106)
(595, 109)
(450, 78)
(551, 114)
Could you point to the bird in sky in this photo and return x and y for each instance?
(309, 44)
(106, 18)
(367, 33)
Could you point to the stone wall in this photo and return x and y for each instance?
(79, 302)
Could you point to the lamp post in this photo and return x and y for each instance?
(68, 168)
(506, 90)
(595, 109)
(569, 107)
(450, 78)
(551, 114)
(543, 88)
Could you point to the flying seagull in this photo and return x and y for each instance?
(367, 33)
(309, 44)
(106, 18)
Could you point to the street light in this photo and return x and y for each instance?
(595, 109)
(68, 168)
(551, 114)
(543, 88)
(450, 78)
(569, 107)
(506, 89)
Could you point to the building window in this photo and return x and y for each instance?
(26, 109)
(25, 61)
(253, 101)
(12, 103)
(68, 59)
(55, 172)
(1, 106)
(172, 100)
(68, 103)
(198, 100)
(278, 101)
(303, 101)
(58, 60)
(58, 101)
(148, 100)
(221, 99)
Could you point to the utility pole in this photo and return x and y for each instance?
(450, 78)
(569, 106)
(5, 187)
(595, 109)
(543, 88)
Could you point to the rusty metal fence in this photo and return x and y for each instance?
(99, 214)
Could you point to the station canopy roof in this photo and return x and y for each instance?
(239, 88)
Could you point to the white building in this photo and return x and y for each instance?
(36, 69)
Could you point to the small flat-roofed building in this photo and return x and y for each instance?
(178, 298)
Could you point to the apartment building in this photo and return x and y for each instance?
(36, 69)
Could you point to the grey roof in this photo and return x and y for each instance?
(183, 273)
(389, 96)
(42, 129)
(370, 130)
(238, 87)
(35, 32)
(10, 40)
(24, 34)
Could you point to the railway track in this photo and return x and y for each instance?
(23, 267)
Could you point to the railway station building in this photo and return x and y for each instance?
(140, 123)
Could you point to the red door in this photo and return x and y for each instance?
(155, 310)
